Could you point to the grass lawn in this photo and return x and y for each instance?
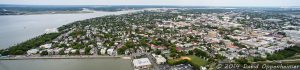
(297, 56)
(197, 60)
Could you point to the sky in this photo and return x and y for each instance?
(282, 3)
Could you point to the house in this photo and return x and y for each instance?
(57, 50)
(188, 45)
(32, 51)
(94, 51)
(127, 51)
(266, 50)
(203, 68)
(82, 51)
(73, 51)
(212, 34)
(229, 44)
(99, 44)
(156, 47)
(52, 30)
(142, 63)
(67, 51)
(47, 46)
(110, 51)
(103, 51)
(50, 51)
(226, 18)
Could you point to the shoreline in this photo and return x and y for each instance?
(64, 57)
(42, 33)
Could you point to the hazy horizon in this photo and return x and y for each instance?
(247, 3)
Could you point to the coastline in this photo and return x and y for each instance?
(65, 57)
(60, 24)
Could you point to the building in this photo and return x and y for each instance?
(57, 50)
(103, 51)
(142, 63)
(229, 44)
(32, 51)
(82, 51)
(110, 51)
(225, 18)
(73, 51)
(67, 51)
(159, 59)
(212, 34)
(52, 30)
(266, 50)
(50, 51)
(46, 46)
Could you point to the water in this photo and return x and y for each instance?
(18, 28)
(67, 64)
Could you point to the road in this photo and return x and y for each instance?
(153, 62)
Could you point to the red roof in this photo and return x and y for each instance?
(154, 46)
(232, 46)
(178, 48)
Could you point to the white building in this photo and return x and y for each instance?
(67, 51)
(50, 51)
(226, 18)
(46, 46)
(92, 51)
(73, 51)
(159, 59)
(212, 34)
(52, 30)
(266, 50)
(57, 50)
(103, 51)
(82, 51)
(32, 51)
(110, 51)
(141, 63)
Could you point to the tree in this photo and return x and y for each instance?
(77, 52)
(173, 55)
(78, 46)
(144, 41)
(4, 52)
(19, 52)
(44, 53)
(87, 50)
(255, 59)
(288, 52)
(282, 33)
(242, 61)
(129, 44)
(21, 48)
(158, 52)
(61, 52)
(191, 52)
(275, 56)
(218, 56)
(63, 46)
(121, 50)
(199, 52)
(173, 50)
